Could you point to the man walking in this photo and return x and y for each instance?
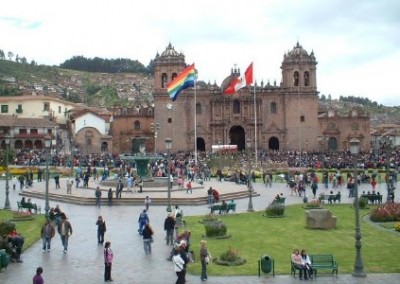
(97, 193)
(169, 226)
(120, 186)
(65, 231)
(47, 234)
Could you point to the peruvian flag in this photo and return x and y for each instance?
(240, 82)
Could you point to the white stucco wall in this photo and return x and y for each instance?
(90, 120)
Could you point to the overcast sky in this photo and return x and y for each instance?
(356, 42)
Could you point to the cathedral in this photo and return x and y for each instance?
(269, 117)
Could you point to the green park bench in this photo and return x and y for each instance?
(229, 207)
(280, 201)
(372, 198)
(324, 261)
(31, 206)
(331, 198)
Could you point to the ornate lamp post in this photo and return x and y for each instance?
(7, 202)
(386, 144)
(358, 265)
(47, 145)
(168, 145)
(249, 184)
(155, 127)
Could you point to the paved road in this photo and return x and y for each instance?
(84, 261)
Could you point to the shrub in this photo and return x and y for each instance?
(229, 255)
(275, 210)
(210, 218)
(397, 227)
(215, 229)
(386, 213)
(315, 203)
(362, 202)
(230, 258)
(6, 228)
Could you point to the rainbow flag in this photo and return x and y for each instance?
(183, 81)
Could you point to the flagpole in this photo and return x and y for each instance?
(255, 125)
(195, 123)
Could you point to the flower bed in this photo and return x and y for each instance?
(386, 213)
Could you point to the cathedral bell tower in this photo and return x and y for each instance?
(299, 70)
(167, 66)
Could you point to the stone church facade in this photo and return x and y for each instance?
(284, 116)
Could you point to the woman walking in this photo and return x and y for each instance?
(147, 238)
(204, 258)
(179, 265)
(108, 258)
(101, 229)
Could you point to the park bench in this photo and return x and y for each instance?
(331, 198)
(323, 261)
(28, 206)
(280, 201)
(372, 198)
(229, 207)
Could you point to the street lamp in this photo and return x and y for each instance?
(386, 143)
(358, 265)
(155, 127)
(168, 145)
(7, 202)
(47, 145)
(249, 184)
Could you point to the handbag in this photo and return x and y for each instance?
(151, 240)
(208, 257)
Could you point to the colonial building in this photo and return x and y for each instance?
(132, 127)
(26, 133)
(284, 116)
(28, 106)
(89, 130)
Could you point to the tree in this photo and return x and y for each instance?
(2, 55)
(10, 55)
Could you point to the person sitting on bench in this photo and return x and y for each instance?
(223, 207)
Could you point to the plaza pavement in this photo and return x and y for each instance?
(84, 261)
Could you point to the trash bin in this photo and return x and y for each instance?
(4, 259)
(266, 265)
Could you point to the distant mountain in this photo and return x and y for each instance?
(127, 89)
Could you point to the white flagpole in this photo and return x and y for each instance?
(195, 122)
(255, 123)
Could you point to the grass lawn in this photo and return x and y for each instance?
(254, 235)
(29, 229)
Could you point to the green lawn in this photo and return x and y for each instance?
(29, 229)
(254, 235)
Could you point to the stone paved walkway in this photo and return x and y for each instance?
(84, 261)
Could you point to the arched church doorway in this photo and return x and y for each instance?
(332, 144)
(237, 137)
(201, 145)
(273, 143)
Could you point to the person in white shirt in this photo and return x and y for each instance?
(307, 263)
(179, 266)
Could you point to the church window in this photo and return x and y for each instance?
(164, 79)
(174, 75)
(296, 78)
(136, 125)
(306, 78)
(273, 108)
(198, 108)
(302, 118)
(236, 106)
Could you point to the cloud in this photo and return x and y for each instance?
(355, 42)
